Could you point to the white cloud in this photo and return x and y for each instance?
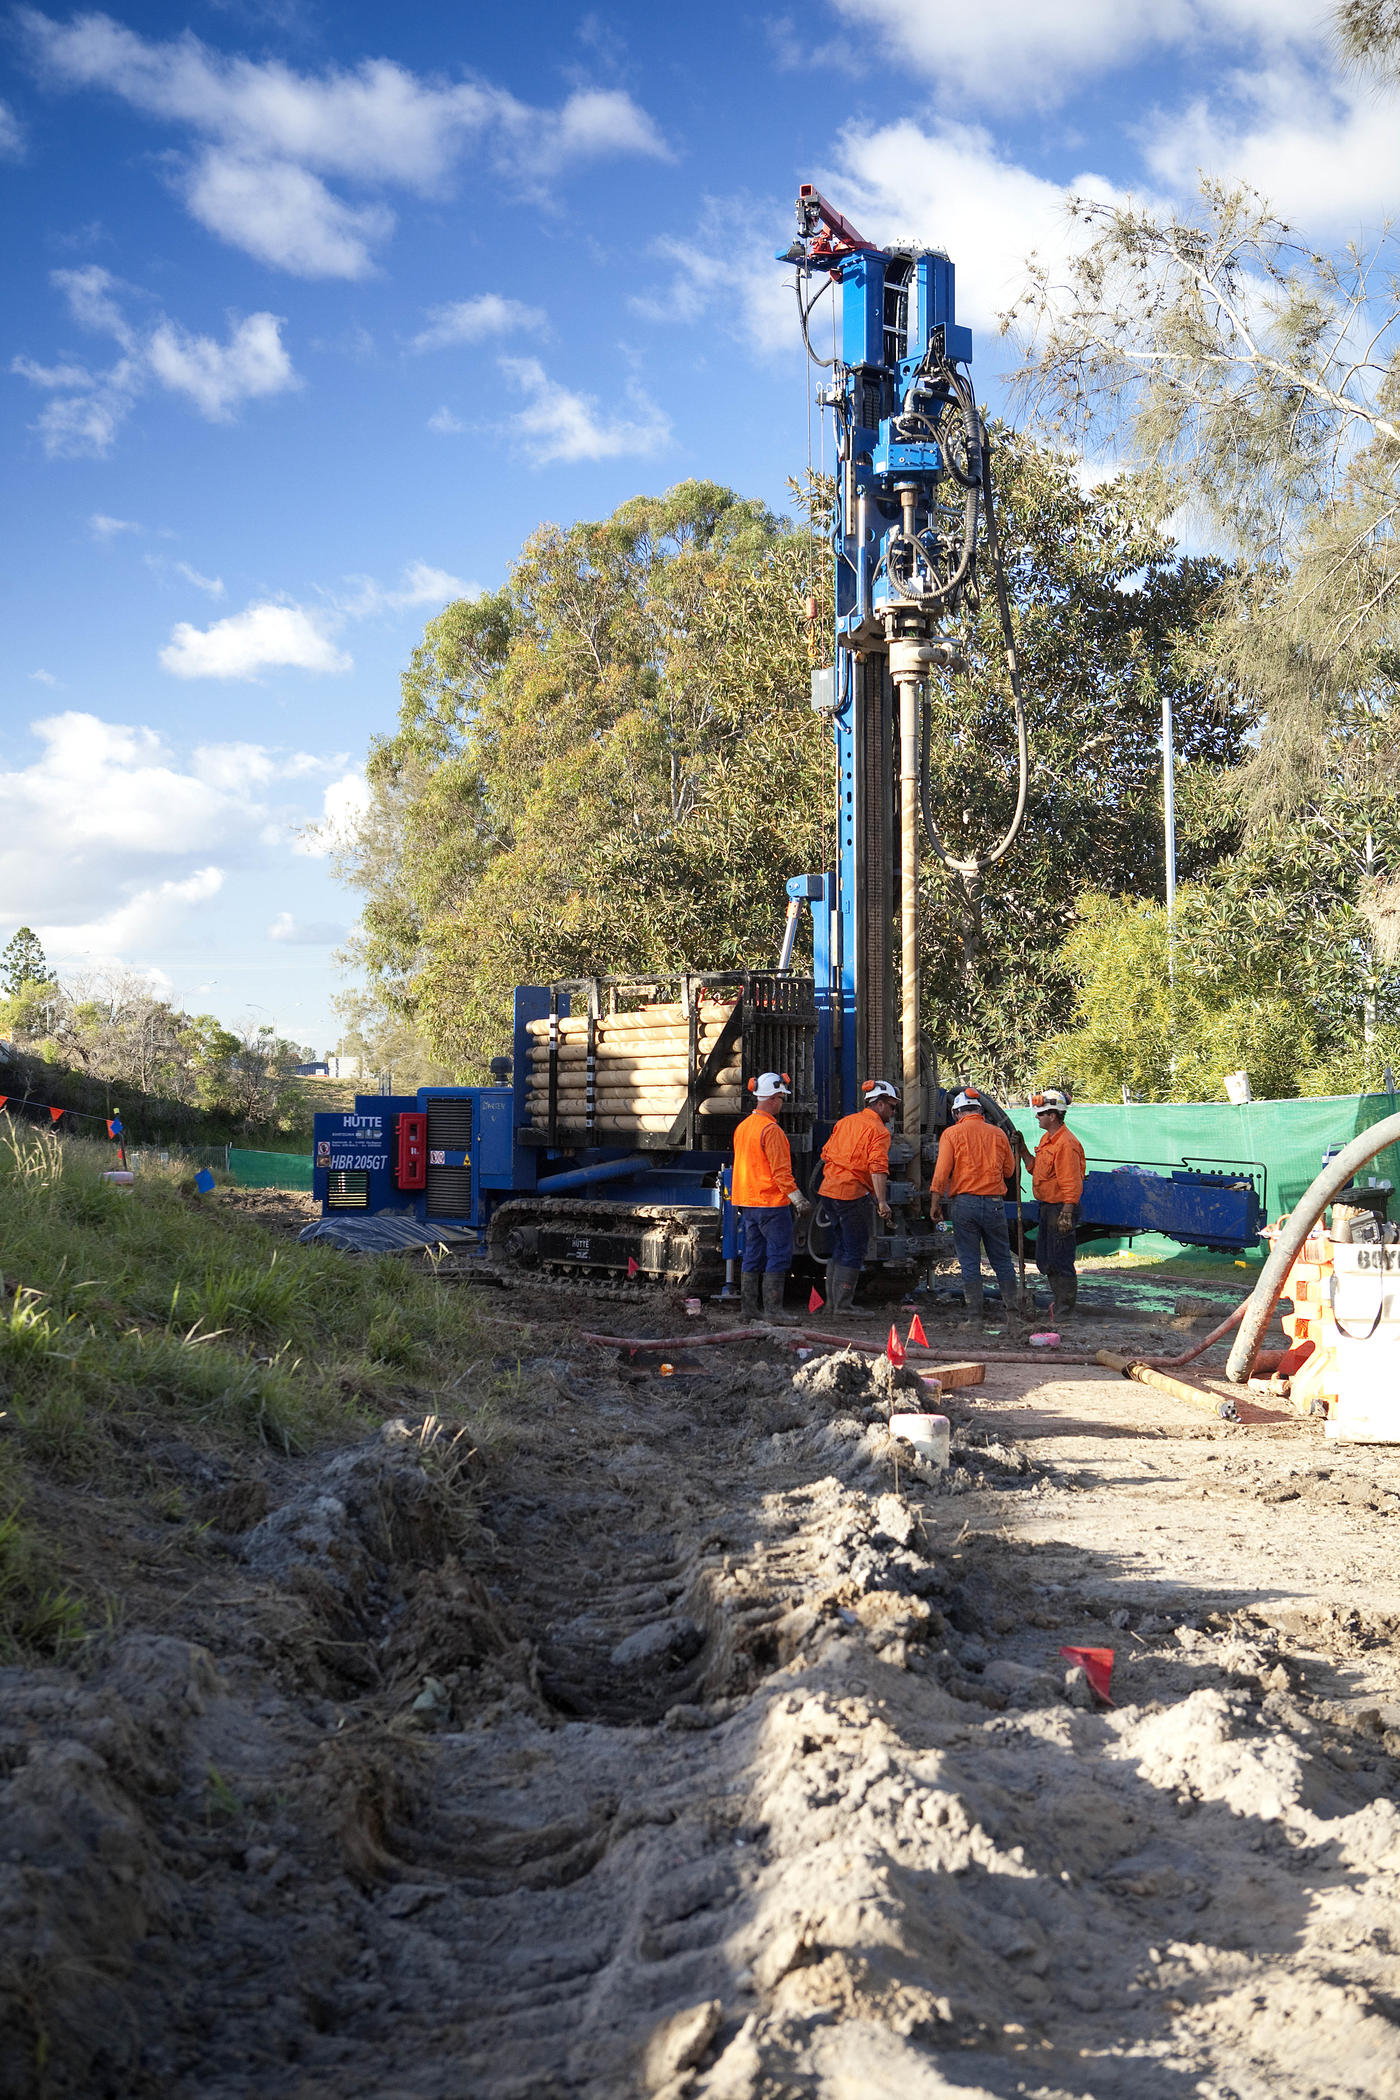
(445, 423)
(261, 637)
(315, 933)
(42, 677)
(562, 426)
(214, 585)
(593, 124)
(950, 187)
(217, 376)
(109, 840)
(1325, 154)
(105, 528)
(727, 263)
(343, 804)
(148, 918)
(284, 215)
(84, 418)
(270, 135)
(420, 584)
(1010, 54)
(11, 134)
(473, 320)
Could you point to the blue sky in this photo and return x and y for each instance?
(315, 313)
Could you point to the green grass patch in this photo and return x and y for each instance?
(126, 1315)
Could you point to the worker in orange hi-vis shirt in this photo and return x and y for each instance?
(1057, 1183)
(765, 1194)
(975, 1163)
(855, 1171)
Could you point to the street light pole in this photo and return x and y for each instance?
(1169, 829)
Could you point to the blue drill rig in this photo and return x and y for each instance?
(601, 1151)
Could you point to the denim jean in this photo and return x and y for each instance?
(978, 1222)
(850, 1215)
(1054, 1250)
(767, 1236)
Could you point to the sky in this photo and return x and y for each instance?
(315, 313)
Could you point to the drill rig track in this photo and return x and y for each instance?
(567, 1241)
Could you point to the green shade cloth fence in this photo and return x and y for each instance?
(270, 1170)
(1287, 1138)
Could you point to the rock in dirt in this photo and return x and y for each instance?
(680, 2042)
(665, 1640)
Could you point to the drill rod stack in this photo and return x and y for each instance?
(631, 1072)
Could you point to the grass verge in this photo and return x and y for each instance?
(132, 1315)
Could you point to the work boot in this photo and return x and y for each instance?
(750, 1285)
(1064, 1290)
(773, 1281)
(842, 1290)
(972, 1307)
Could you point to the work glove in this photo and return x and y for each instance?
(1066, 1221)
(799, 1203)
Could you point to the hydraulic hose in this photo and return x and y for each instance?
(980, 862)
(1294, 1230)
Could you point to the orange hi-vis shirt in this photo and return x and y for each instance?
(858, 1149)
(974, 1159)
(1058, 1173)
(762, 1173)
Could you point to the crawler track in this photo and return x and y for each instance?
(564, 1241)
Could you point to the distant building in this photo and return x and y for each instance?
(331, 1066)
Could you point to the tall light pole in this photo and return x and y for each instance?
(1169, 829)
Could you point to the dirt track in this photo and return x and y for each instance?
(672, 1752)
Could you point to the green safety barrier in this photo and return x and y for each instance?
(270, 1170)
(1287, 1139)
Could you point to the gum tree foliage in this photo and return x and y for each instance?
(611, 763)
(1108, 617)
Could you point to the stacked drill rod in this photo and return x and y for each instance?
(631, 1073)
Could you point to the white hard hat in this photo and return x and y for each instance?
(879, 1090)
(968, 1098)
(770, 1085)
(1049, 1097)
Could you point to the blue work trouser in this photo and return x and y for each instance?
(978, 1222)
(767, 1236)
(1054, 1250)
(850, 1215)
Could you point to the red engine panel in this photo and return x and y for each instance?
(411, 1163)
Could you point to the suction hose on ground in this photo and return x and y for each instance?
(1329, 1184)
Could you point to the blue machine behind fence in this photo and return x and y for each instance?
(913, 497)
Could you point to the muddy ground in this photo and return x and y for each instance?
(677, 1737)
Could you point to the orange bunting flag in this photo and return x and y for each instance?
(1097, 1665)
(3, 1099)
(55, 1113)
(634, 1267)
(816, 1301)
(894, 1349)
(916, 1338)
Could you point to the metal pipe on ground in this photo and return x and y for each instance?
(1193, 1395)
(1291, 1235)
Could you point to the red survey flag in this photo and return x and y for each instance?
(1097, 1665)
(3, 1099)
(634, 1267)
(816, 1301)
(894, 1349)
(55, 1113)
(916, 1338)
